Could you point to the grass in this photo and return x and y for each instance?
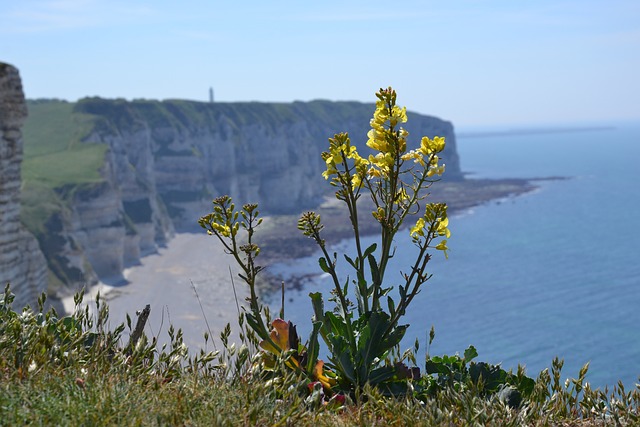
(76, 371)
(55, 157)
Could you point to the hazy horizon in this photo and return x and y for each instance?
(472, 63)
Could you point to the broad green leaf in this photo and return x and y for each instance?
(338, 325)
(345, 364)
(470, 354)
(395, 337)
(370, 341)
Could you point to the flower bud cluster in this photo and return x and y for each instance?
(383, 136)
(340, 153)
(433, 224)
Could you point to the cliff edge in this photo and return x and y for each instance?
(22, 264)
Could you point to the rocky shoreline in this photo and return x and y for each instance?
(280, 239)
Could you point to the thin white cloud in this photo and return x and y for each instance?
(56, 15)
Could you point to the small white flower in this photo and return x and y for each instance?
(32, 366)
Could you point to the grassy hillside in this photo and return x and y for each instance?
(55, 158)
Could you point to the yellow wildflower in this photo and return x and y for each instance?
(377, 140)
(356, 181)
(442, 229)
(435, 170)
(435, 145)
(398, 115)
(442, 246)
(373, 172)
(438, 144)
(414, 155)
(418, 229)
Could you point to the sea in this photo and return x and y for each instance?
(551, 273)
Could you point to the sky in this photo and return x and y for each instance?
(475, 63)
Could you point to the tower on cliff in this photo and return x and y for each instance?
(211, 95)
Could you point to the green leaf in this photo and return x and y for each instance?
(385, 291)
(318, 305)
(492, 375)
(375, 272)
(70, 324)
(370, 343)
(392, 306)
(256, 326)
(345, 365)
(395, 336)
(361, 292)
(402, 290)
(314, 347)
(350, 261)
(337, 324)
(323, 264)
(341, 357)
(470, 354)
(435, 366)
(371, 249)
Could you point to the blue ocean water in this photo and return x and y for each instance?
(555, 272)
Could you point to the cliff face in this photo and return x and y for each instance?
(22, 264)
(165, 161)
(188, 152)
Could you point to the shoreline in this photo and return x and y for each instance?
(196, 263)
(280, 239)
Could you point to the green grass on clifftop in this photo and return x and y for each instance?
(53, 150)
(55, 157)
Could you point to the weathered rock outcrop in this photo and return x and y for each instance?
(166, 161)
(22, 264)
